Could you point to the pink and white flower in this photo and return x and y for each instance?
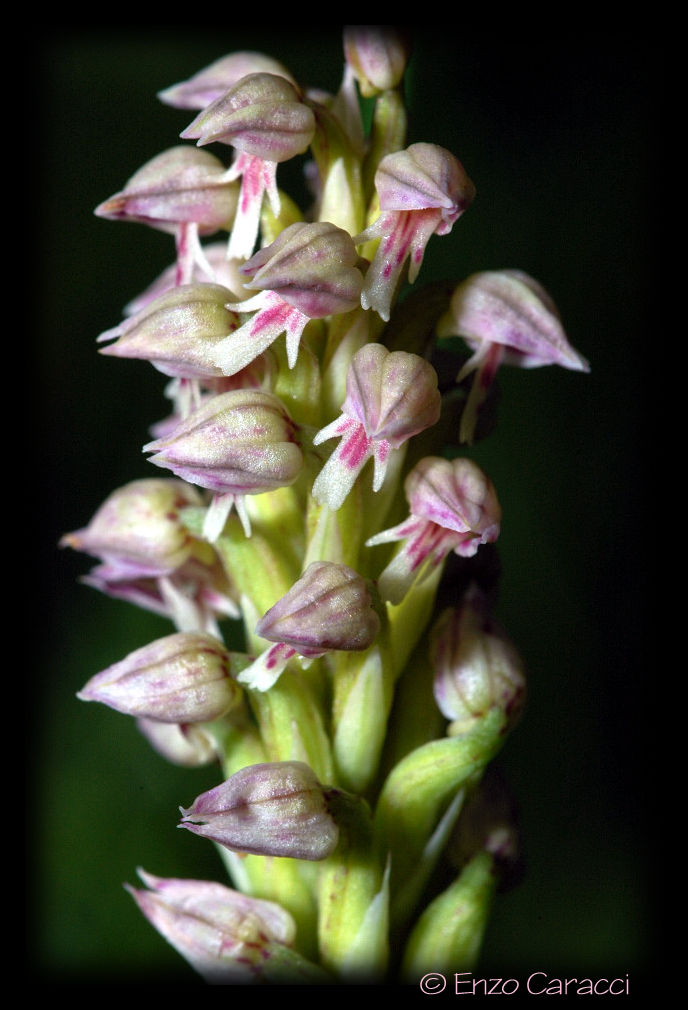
(422, 190)
(453, 507)
(391, 396)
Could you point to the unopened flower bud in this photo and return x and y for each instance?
(226, 936)
(329, 608)
(178, 331)
(274, 809)
(138, 531)
(308, 272)
(453, 506)
(390, 396)
(422, 190)
(506, 317)
(209, 84)
(477, 667)
(377, 54)
(182, 678)
(236, 443)
(181, 185)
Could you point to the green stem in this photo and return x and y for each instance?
(352, 898)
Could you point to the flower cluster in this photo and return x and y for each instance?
(320, 498)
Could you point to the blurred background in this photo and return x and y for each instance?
(560, 138)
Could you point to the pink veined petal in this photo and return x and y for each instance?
(485, 362)
(274, 317)
(403, 234)
(396, 533)
(338, 475)
(381, 452)
(415, 560)
(267, 668)
(258, 178)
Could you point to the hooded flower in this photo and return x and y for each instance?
(506, 317)
(274, 809)
(226, 936)
(182, 678)
(476, 666)
(453, 506)
(377, 54)
(308, 272)
(237, 443)
(215, 80)
(422, 190)
(149, 558)
(263, 118)
(330, 607)
(177, 331)
(390, 396)
(183, 191)
(189, 744)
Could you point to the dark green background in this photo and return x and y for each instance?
(561, 140)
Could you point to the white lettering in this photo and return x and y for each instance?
(535, 992)
(465, 982)
(622, 990)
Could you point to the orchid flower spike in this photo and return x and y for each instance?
(263, 118)
(330, 607)
(390, 396)
(506, 317)
(308, 272)
(453, 507)
(422, 190)
(183, 191)
(238, 443)
(211, 83)
(149, 558)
